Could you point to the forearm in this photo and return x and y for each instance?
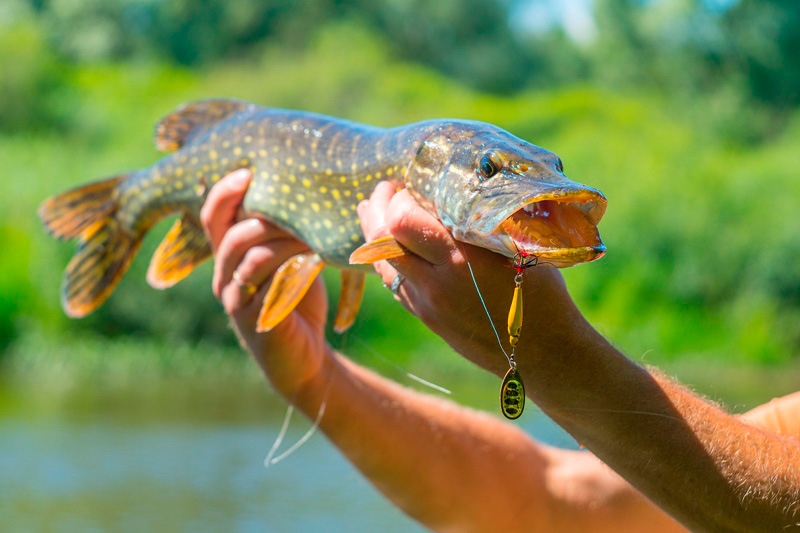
(449, 467)
(452, 468)
(709, 469)
(699, 463)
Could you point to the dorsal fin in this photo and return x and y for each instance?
(174, 130)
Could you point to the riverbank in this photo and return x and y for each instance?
(68, 368)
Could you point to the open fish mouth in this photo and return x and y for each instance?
(559, 228)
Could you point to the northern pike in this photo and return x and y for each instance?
(309, 171)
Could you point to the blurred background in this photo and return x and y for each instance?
(146, 415)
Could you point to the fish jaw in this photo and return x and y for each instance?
(557, 226)
(526, 205)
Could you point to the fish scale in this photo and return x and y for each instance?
(309, 172)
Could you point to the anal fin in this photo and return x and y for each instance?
(290, 283)
(350, 295)
(377, 250)
(184, 247)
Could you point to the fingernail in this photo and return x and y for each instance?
(241, 177)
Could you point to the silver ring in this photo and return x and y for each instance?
(398, 279)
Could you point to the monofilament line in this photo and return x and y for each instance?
(475, 282)
(270, 459)
(273, 460)
(281, 434)
(399, 368)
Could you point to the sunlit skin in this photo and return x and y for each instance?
(708, 469)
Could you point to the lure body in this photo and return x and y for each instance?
(512, 394)
(515, 316)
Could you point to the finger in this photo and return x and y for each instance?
(372, 212)
(219, 210)
(261, 262)
(418, 230)
(235, 243)
(237, 300)
(386, 272)
(257, 266)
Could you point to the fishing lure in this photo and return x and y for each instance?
(512, 391)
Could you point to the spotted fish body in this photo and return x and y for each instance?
(309, 173)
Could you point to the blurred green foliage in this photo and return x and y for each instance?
(682, 114)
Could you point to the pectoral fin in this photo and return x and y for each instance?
(377, 250)
(349, 299)
(184, 247)
(290, 284)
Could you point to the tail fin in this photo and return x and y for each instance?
(70, 213)
(105, 247)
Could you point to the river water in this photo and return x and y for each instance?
(190, 460)
(187, 455)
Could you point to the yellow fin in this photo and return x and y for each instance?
(289, 285)
(377, 250)
(104, 253)
(70, 213)
(184, 247)
(105, 248)
(349, 299)
(177, 128)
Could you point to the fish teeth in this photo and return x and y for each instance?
(535, 209)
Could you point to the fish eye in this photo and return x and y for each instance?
(487, 167)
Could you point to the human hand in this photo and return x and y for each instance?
(439, 290)
(247, 254)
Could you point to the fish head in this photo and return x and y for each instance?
(499, 192)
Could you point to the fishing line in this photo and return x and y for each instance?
(475, 282)
(302, 439)
(348, 335)
(499, 342)
(408, 374)
(622, 412)
(512, 389)
(270, 459)
(279, 439)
